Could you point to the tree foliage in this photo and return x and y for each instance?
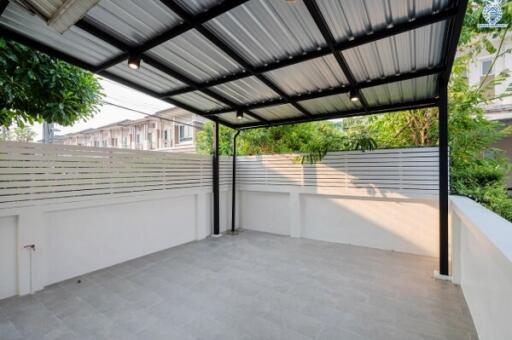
(35, 87)
(18, 134)
(312, 140)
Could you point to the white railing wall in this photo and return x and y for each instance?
(384, 198)
(88, 208)
(482, 265)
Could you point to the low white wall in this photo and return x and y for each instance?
(482, 265)
(404, 224)
(79, 237)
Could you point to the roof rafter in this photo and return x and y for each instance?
(100, 34)
(340, 89)
(249, 69)
(322, 25)
(419, 104)
(325, 51)
(173, 32)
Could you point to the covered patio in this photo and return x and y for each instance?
(148, 272)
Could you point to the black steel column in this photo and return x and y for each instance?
(216, 224)
(233, 190)
(443, 180)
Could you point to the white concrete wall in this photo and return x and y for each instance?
(8, 277)
(76, 238)
(482, 265)
(404, 224)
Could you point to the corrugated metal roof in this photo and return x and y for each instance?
(402, 53)
(148, 77)
(198, 6)
(261, 32)
(267, 31)
(330, 104)
(231, 118)
(74, 42)
(403, 91)
(132, 21)
(309, 76)
(46, 7)
(350, 19)
(195, 56)
(200, 101)
(278, 112)
(245, 90)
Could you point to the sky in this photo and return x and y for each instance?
(117, 94)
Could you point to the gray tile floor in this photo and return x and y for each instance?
(250, 286)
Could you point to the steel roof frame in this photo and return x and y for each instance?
(197, 22)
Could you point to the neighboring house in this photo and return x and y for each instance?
(497, 109)
(172, 130)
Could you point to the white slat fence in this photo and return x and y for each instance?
(31, 173)
(406, 169)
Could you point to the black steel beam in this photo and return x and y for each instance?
(248, 68)
(216, 191)
(324, 51)
(452, 39)
(3, 6)
(106, 37)
(338, 90)
(449, 51)
(233, 185)
(322, 25)
(418, 104)
(443, 180)
(175, 31)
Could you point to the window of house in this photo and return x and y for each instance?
(487, 82)
(487, 67)
(137, 139)
(104, 143)
(166, 135)
(185, 133)
(113, 142)
(97, 143)
(125, 142)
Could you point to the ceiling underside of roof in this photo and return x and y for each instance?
(277, 61)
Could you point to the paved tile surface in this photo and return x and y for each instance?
(250, 286)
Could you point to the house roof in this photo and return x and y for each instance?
(278, 62)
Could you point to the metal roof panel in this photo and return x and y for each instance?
(278, 112)
(195, 56)
(245, 90)
(132, 21)
(339, 102)
(309, 76)
(403, 91)
(74, 41)
(406, 52)
(266, 31)
(200, 101)
(147, 76)
(350, 19)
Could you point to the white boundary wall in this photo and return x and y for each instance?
(482, 265)
(384, 199)
(89, 208)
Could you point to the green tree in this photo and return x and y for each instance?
(313, 140)
(19, 134)
(35, 88)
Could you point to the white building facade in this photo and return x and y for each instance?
(172, 130)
